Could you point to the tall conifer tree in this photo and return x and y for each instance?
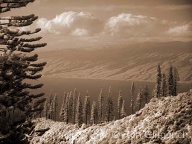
(87, 108)
(109, 107)
(119, 104)
(158, 82)
(170, 81)
(132, 97)
(175, 81)
(55, 105)
(101, 102)
(146, 93)
(17, 66)
(74, 103)
(94, 113)
(79, 112)
(139, 99)
(123, 110)
(164, 85)
(63, 105)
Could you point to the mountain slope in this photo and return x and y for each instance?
(120, 62)
(166, 120)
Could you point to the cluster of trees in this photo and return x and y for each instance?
(73, 110)
(166, 85)
(50, 107)
(18, 66)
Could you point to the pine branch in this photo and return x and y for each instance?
(33, 76)
(31, 58)
(38, 102)
(35, 70)
(37, 95)
(31, 39)
(39, 64)
(28, 45)
(28, 50)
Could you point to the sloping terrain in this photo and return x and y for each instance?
(125, 62)
(165, 120)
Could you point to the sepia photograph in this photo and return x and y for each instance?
(95, 72)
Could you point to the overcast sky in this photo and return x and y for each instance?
(83, 23)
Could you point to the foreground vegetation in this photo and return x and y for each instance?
(163, 120)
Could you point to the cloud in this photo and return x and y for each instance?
(84, 24)
(80, 32)
(71, 23)
(131, 25)
(181, 30)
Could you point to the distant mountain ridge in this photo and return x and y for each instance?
(120, 62)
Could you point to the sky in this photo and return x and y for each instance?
(91, 23)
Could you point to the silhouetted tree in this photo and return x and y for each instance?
(62, 110)
(50, 106)
(164, 85)
(119, 104)
(123, 110)
(109, 107)
(71, 101)
(17, 67)
(170, 81)
(94, 113)
(175, 81)
(158, 82)
(55, 105)
(79, 112)
(132, 97)
(46, 109)
(87, 108)
(74, 103)
(101, 102)
(66, 113)
(139, 98)
(146, 93)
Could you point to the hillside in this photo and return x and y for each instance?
(166, 120)
(120, 62)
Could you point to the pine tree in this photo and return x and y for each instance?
(158, 82)
(100, 110)
(139, 98)
(79, 112)
(132, 97)
(55, 105)
(17, 66)
(66, 109)
(164, 85)
(146, 93)
(50, 106)
(123, 110)
(87, 108)
(70, 106)
(62, 110)
(46, 109)
(175, 81)
(170, 81)
(94, 113)
(119, 104)
(109, 107)
(74, 103)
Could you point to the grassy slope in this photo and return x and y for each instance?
(132, 62)
(169, 115)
